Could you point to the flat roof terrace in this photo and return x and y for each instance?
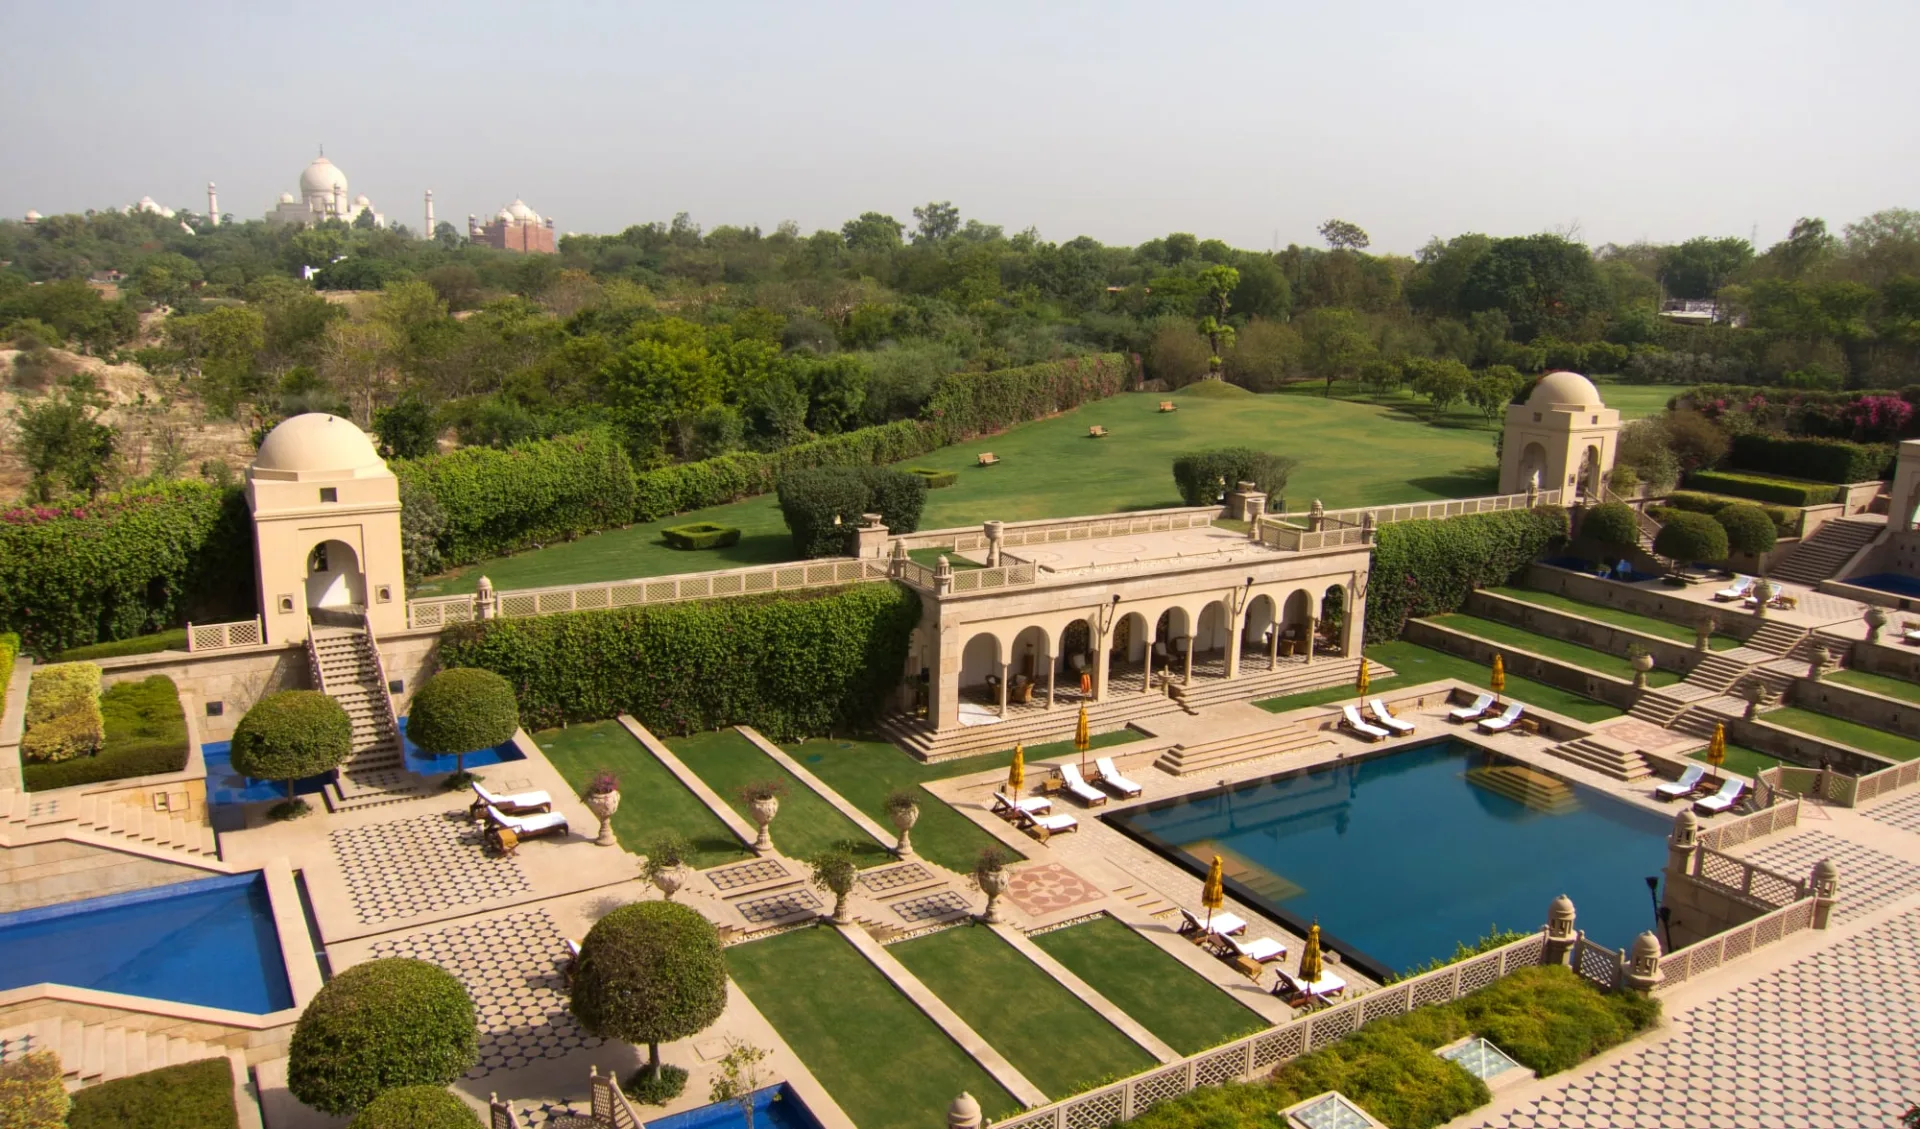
(1203, 545)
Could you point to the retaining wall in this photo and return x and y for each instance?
(1616, 692)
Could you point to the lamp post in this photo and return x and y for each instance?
(1661, 914)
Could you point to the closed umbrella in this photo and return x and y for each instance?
(1017, 771)
(1310, 969)
(1213, 894)
(1497, 681)
(1361, 683)
(1081, 738)
(1717, 748)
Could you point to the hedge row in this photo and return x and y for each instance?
(1202, 476)
(1822, 460)
(1760, 488)
(701, 535)
(791, 666)
(63, 714)
(124, 565)
(145, 734)
(729, 478)
(1786, 519)
(1423, 568)
(192, 1095)
(822, 506)
(965, 405)
(9, 651)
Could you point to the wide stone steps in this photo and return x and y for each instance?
(1775, 639)
(1822, 556)
(1537, 790)
(142, 824)
(97, 1052)
(1184, 760)
(1620, 764)
(375, 774)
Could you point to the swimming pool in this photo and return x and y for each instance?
(225, 786)
(777, 1107)
(1402, 853)
(1897, 583)
(210, 942)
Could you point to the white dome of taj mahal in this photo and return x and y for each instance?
(321, 178)
(518, 210)
(317, 443)
(286, 198)
(1565, 389)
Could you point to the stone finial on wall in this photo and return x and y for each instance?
(1561, 934)
(1825, 884)
(964, 1112)
(1876, 618)
(1643, 963)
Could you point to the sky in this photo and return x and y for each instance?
(1248, 122)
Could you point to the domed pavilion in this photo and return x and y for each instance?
(1562, 438)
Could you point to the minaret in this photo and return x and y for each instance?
(428, 234)
(213, 206)
(339, 201)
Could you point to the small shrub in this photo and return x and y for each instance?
(1749, 529)
(31, 1096)
(1686, 537)
(667, 851)
(63, 714)
(379, 1026)
(462, 711)
(1612, 524)
(822, 506)
(192, 1095)
(656, 1085)
(1547, 1019)
(650, 972)
(417, 1107)
(1786, 519)
(902, 799)
(60, 689)
(9, 651)
(1760, 488)
(759, 790)
(935, 479)
(700, 535)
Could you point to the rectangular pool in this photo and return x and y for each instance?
(210, 942)
(1402, 853)
(1897, 583)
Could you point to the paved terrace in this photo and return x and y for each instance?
(1154, 551)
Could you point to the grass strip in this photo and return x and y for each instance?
(1416, 664)
(807, 823)
(1747, 762)
(1584, 657)
(1876, 684)
(174, 640)
(864, 772)
(1632, 621)
(1890, 745)
(652, 799)
(1183, 1008)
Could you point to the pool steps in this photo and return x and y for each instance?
(1620, 764)
(100, 1052)
(102, 820)
(1184, 760)
(1538, 791)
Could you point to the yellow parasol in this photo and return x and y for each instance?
(1081, 738)
(1213, 895)
(1310, 969)
(1497, 681)
(1017, 771)
(1365, 679)
(1717, 748)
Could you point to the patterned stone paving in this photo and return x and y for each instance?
(745, 874)
(1868, 878)
(511, 967)
(546, 1113)
(931, 907)
(1829, 1042)
(1903, 813)
(1048, 888)
(770, 908)
(896, 878)
(414, 866)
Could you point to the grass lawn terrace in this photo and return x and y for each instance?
(652, 799)
(806, 825)
(880, 1057)
(1632, 621)
(1747, 762)
(1416, 664)
(1046, 1032)
(864, 772)
(1876, 684)
(1183, 1008)
(1600, 662)
(1890, 745)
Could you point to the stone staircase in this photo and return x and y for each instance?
(1620, 764)
(346, 667)
(99, 1052)
(1822, 556)
(105, 821)
(1538, 791)
(1781, 640)
(1775, 655)
(1185, 760)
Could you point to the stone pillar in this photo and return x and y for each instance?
(1256, 509)
(870, 540)
(964, 1113)
(1560, 932)
(486, 603)
(1273, 644)
(1316, 516)
(1236, 625)
(1356, 622)
(942, 576)
(995, 530)
(1102, 663)
(943, 697)
(1186, 673)
(1533, 491)
(1826, 890)
(1643, 963)
(1053, 665)
(1146, 657)
(1308, 641)
(1006, 672)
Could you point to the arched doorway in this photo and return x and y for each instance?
(1533, 467)
(1126, 654)
(1296, 625)
(1172, 636)
(1590, 472)
(336, 588)
(1030, 667)
(1210, 638)
(980, 670)
(1259, 636)
(1333, 615)
(1074, 661)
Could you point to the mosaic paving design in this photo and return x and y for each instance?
(896, 878)
(511, 967)
(742, 875)
(1868, 878)
(1047, 888)
(931, 907)
(1903, 813)
(419, 865)
(770, 908)
(547, 1113)
(1829, 1041)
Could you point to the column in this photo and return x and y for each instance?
(1053, 665)
(1102, 662)
(1273, 645)
(1006, 672)
(1146, 656)
(1308, 632)
(1186, 674)
(1236, 623)
(1356, 622)
(943, 697)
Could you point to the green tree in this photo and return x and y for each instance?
(1699, 267)
(380, 1026)
(289, 736)
(1749, 529)
(1217, 284)
(650, 972)
(63, 442)
(1443, 383)
(1343, 236)
(934, 222)
(31, 1095)
(1687, 537)
(1542, 283)
(462, 711)
(416, 1107)
(1335, 345)
(1612, 525)
(408, 429)
(872, 231)
(1492, 390)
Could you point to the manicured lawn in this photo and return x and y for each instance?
(1637, 401)
(806, 825)
(1064, 748)
(652, 800)
(1060, 1044)
(865, 771)
(1740, 759)
(175, 640)
(1350, 454)
(1417, 664)
(192, 1095)
(880, 1057)
(1597, 661)
(1846, 732)
(931, 558)
(1330, 694)
(1171, 1000)
(1615, 616)
(1877, 684)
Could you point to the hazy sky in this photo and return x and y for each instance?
(1122, 121)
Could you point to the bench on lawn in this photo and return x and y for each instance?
(1169, 406)
(988, 458)
(1096, 432)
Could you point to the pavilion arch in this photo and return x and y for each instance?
(1297, 619)
(980, 658)
(1213, 630)
(1174, 624)
(1130, 638)
(1533, 465)
(1333, 613)
(1262, 613)
(1076, 641)
(1590, 471)
(1031, 649)
(334, 579)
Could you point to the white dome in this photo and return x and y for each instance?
(33, 216)
(504, 214)
(1565, 389)
(286, 198)
(362, 201)
(321, 178)
(519, 211)
(317, 442)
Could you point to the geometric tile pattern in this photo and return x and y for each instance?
(896, 877)
(1903, 813)
(1830, 1041)
(553, 1115)
(419, 865)
(773, 907)
(1868, 878)
(751, 873)
(512, 969)
(1047, 888)
(930, 907)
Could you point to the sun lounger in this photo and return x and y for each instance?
(1219, 925)
(1504, 722)
(519, 803)
(1385, 717)
(1044, 827)
(1478, 709)
(1007, 808)
(1110, 777)
(1350, 719)
(1722, 800)
(1687, 785)
(1260, 950)
(505, 832)
(1738, 590)
(1082, 791)
(1299, 993)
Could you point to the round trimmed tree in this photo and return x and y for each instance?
(650, 972)
(417, 1107)
(1691, 537)
(1613, 525)
(1749, 529)
(462, 711)
(290, 735)
(379, 1026)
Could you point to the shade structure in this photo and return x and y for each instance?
(1497, 681)
(1310, 968)
(1717, 748)
(1363, 680)
(1213, 893)
(1017, 771)
(1081, 738)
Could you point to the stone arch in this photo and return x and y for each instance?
(1032, 646)
(1262, 613)
(979, 659)
(1076, 641)
(1533, 466)
(1127, 652)
(1296, 620)
(1333, 612)
(1212, 632)
(1590, 471)
(334, 580)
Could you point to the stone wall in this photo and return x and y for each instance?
(1645, 601)
(1799, 748)
(1667, 654)
(1863, 706)
(1700, 910)
(1892, 660)
(1616, 692)
(63, 870)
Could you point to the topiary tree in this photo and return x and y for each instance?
(289, 735)
(379, 1026)
(1202, 475)
(822, 505)
(31, 1096)
(1691, 537)
(1749, 529)
(650, 972)
(462, 711)
(1612, 525)
(417, 1107)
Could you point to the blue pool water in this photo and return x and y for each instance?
(210, 942)
(225, 786)
(777, 1107)
(1401, 854)
(1897, 583)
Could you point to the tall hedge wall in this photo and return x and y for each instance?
(791, 666)
(1822, 460)
(964, 404)
(1425, 568)
(124, 564)
(729, 478)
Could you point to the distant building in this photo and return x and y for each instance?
(515, 227)
(323, 196)
(1697, 311)
(148, 206)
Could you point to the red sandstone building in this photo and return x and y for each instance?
(515, 227)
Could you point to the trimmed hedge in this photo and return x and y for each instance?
(192, 1095)
(965, 405)
(822, 506)
(729, 478)
(1822, 460)
(174, 640)
(63, 714)
(290, 735)
(1199, 475)
(1749, 529)
(379, 1026)
(1761, 488)
(145, 735)
(936, 479)
(457, 712)
(791, 666)
(1613, 524)
(9, 651)
(1430, 567)
(701, 535)
(417, 1107)
(1786, 519)
(1686, 538)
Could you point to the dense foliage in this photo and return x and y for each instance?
(1749, 529)
(823, 506)
(1204, 476)
(144, 734)
(379, 1026)
(1612, 524)
(9, 651)
(1786, 520)
(790, 666)
(64, 721)
(124, 564)
(290, 735)
(1822, 460)
(1423, 568)
(416, 1107)
(650, 972)
(701, 535)
(191, 1095)
(31, 1094)
(462, 711)
(1688, 537)
(1761, 488)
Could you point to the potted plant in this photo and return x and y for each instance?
(1642, 660)
(903, 808)
(603, 799)
(834, 871)
(990, 875)
(666, 866)
(762, 798)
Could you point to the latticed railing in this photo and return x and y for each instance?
(1747, 879)
(1704, 956)
(225, 636)
(650, 590)
(1880, 783)
(1049, 532)
(1421, 511)
(439, 611)
(1298, 538)
(1258, 1054)
(971, 579)
(1766, 821)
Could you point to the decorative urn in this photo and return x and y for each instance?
(764, 809)
(603, 799)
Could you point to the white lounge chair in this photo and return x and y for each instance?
(1505, 721)
(506, 832)
(1741, 587)
(1110, 776)
(1384, 716)
(1350, 719)
(1221, 924)
(519, 803)
(1045, 827)
(1478, 709)
(1082, 791)
(1689, 780)
(1725, 798)
(1009, 808)
(1260, 950)
(1911, 635)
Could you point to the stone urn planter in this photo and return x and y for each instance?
(1642, 664)
(993, 883)
(1876, 618)
(670, 880)
(764, 809)
(603, 799)
(1702, 633)
(904, 811)
(1763, 593)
